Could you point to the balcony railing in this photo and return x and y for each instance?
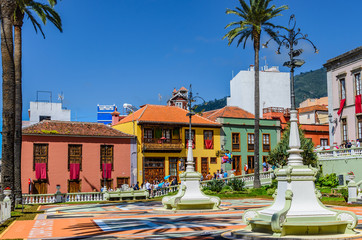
(162, 144)
(340, 153)
(285, 111)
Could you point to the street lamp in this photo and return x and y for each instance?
(190, 159)
(290, 40)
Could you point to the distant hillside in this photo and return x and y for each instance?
(211, 105)
(312, 84)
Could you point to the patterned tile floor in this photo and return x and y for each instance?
(134, 221)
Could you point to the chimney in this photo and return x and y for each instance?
(115, 117)
(252, 68)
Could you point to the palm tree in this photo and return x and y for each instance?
(253, 19)
(45, 12)
(7, 8)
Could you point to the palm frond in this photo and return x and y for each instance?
(34, 22)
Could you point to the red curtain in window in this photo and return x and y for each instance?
(106, 170)
(358, 104)
(343, 101)
(40, 170)
(74, 171)
(208, 144)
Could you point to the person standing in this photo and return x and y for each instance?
(246, 168)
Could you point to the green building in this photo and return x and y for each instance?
(237, 137)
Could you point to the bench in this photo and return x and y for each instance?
(128, 194)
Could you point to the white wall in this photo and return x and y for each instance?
(54, 110)
(274, 90)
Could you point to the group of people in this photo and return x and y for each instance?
(219, 174)
(153, 186)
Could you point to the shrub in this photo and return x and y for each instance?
(328, 180)
(236, 184)
(226, 189)
(215, 185)
(209, 192)
(270, 191)
(344, 192)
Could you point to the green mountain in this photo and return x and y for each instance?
(312, 84)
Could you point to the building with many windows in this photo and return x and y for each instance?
(344, 96)
(237, 137)
(162, 135)
(78, 156)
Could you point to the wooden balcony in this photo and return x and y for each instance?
(159, 144)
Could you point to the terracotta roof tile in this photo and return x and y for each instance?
(165, 114)
(54, 128)
(313, 108)
(228, 111)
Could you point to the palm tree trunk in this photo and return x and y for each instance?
(18, 102)
(7, 51)
(257, 183)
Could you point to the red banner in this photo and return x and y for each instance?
(41, 170)
(107, 170)
(74, 171)
(358, 104)
(343, 101)
(208, 144)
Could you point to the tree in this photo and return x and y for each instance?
(45, 12)
(253, 19)
(7, 8)
(278, 156)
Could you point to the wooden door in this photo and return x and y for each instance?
(251, 164)
(237, 165)
(74, 186)
(154, 169)
(40, 187)
(204, 167)
(195, 165)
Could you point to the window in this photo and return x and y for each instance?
(41, 118)
(187, 138)
(208, 139)
(40, 154)
(107, 182)
(121, 181)
(324, 142)
(266, 142)
(235, 141)
(178, 104)
(107, 161)
(213, 160)
(250, 142)
(166, 134)
(344, 130)
(357, 80)
(148, 135)
(342, 88)
(359, 119)
(74, 155)
(173, 168)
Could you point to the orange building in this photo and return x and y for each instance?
(318, 133)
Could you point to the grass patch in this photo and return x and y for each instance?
(29, 213)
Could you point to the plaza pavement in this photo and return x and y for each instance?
(136, 220)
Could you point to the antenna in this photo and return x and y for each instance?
(61, 97)
(159, 97)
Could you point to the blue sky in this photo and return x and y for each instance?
(118, 51)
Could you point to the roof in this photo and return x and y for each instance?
(313, 108)
(354, 52)
(166, 114)
(182, 89)
(67, 128)
(311, 127)
(228, 111)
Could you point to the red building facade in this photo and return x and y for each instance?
(80, 157)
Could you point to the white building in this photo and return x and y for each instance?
(47, 111)
(274, 89)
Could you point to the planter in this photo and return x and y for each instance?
(7, 192)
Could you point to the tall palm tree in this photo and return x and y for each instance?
(45, 12)
(253, 19)
(7, 8)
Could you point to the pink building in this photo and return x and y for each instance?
(78, 156)
(344, 96)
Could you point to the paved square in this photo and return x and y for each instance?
(134, 221)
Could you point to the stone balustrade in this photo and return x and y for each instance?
(339, 153)
(5, 207)
(38, 198)
(64, 197)
(84, 197)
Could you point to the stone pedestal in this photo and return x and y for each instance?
(296, 209)
(189, 196)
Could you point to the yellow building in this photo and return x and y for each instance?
(162, 134)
